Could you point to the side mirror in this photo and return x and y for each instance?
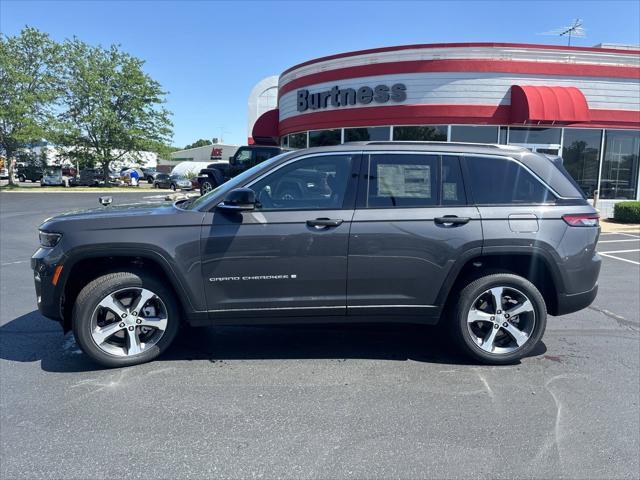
(239, 199)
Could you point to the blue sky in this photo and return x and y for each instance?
(208, 55)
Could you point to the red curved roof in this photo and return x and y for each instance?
(460, 45)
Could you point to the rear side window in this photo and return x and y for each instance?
(402, 180)
(497, 181)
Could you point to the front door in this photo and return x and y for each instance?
(412, 223)
(288, 257)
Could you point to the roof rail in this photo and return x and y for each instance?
(513, 148)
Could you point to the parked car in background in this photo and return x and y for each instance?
(94, 177)
(4, 173)
(148, 174)
(25, 172)
(162, 180)
(180, 182)
(52, 177)
(245, 157)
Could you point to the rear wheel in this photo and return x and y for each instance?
(499, 318)
(22, 178)
(124, 319)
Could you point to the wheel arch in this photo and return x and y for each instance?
(532, 265)
(86, 266)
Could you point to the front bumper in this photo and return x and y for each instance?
(47, 296)
(577, 301)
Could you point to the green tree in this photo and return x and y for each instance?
(29, 88)
(112, 107)
(199, 143)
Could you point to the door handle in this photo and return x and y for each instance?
(451, 220)
(324, 222)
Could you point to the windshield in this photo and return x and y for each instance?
(233, 183)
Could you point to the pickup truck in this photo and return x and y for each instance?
(245, 157)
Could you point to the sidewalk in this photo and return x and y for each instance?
(610, 226)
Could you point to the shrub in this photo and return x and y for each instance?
(627, 212)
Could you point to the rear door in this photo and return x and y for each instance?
(411, 224)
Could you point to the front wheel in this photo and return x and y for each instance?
(22, 178)
(125, 318)
(499, 318)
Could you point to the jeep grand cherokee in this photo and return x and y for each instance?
(484, 239)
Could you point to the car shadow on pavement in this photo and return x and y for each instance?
(31, 338)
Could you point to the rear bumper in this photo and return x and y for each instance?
(577, 301)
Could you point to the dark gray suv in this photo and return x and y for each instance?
(483, 239)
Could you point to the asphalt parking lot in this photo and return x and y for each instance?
(317, 402)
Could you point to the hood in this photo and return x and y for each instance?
(115, 216)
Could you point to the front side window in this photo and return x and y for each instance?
(402, 180)
(499, 181)
(313, 183)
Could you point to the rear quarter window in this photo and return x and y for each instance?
(499, 181)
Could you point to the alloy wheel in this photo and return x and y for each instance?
(501, 320)
(129, 321)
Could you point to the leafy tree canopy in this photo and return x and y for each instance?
(30, 86)
(198, 143)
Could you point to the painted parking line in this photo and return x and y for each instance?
(624, 240)
(608, 255)
(621, 233)
(622, 251)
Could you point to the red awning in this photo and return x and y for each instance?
(265, 130)
(548, 105)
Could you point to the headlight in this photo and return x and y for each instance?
(49, 239)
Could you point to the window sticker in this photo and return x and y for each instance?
(404, 180)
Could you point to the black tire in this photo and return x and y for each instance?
(95, 291)
(206, 186)
(471, 292)
(173, 187)
(155, 185)
(22, 178)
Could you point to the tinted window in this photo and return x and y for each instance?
(298, 140)
(621, 163)
(452, 189)
(243, 158)
(396, 180)
(317, 183)
(534, 135)
(581, 154)
(436, 133)
(364, 134)
(263, 154)
(465, 133)
(496, 181)
(321, 138)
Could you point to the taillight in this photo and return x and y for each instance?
(582, 220)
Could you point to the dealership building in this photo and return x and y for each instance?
(582, 103)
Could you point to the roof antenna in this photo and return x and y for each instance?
(574, 30)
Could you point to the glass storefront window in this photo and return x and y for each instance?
(321, 138)
(620, 167)
(503, 135)
(284, 141)
(534, 135)
(480, 134)
(581, 156)
(365, 134)
(298, 140)
(437, 133)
